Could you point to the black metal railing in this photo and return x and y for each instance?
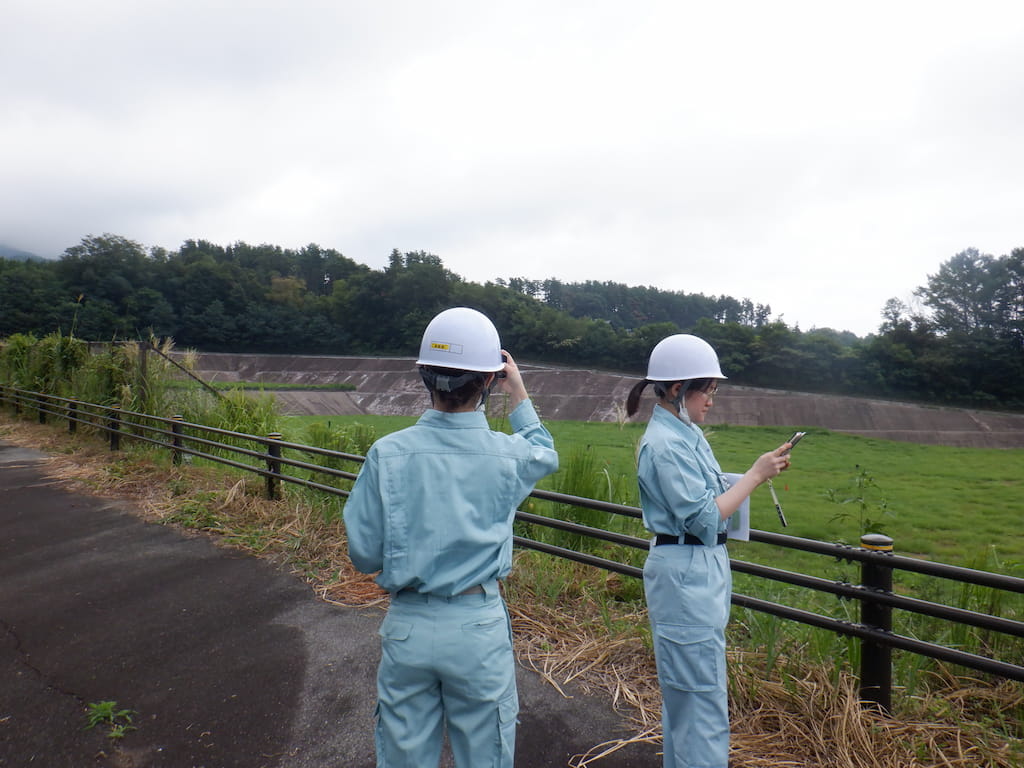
(266, 456)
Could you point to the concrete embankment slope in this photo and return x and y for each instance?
(392, 386)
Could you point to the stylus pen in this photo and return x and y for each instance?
(778, 506)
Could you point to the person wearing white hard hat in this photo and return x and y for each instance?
(432, 511)
(686, 503)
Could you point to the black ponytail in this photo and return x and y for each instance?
(661, 389)
(633, 399)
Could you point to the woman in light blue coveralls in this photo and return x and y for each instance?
(686, 504)
(432, 510)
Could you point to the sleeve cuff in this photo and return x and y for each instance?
(523, 415)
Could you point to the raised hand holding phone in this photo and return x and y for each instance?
(796, 438)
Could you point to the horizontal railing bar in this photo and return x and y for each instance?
(262, 456)
(971, 660)
(141, 431)
(191, 425)
(581, 501)
(586, 530)
(840, 589)
(579, 557)
(890, 560)
(842, 551)
(867, 595)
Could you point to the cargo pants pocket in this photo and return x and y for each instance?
(508, 714)
(687, 657)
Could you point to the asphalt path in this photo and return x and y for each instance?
(224, 659)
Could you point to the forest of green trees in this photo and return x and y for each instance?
(965, 346)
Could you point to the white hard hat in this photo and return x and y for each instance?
(463, 339)
(683, 357)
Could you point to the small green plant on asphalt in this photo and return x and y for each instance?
(106, 713)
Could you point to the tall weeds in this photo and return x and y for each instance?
(586, 475)
(46, 365)
(129, 375)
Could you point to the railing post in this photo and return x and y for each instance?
(875, 658)
(176, 420)
(72, 416)
(114, 424)
(41, 404)
(274, 450)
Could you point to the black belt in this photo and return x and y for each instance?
(688, 538)
(475, 590)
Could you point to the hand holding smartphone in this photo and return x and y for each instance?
(796, 438)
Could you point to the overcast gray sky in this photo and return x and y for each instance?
(817, 157)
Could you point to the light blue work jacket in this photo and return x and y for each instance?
(433, 506)
(679, 479)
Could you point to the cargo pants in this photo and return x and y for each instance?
(446, 664)
(688, 589)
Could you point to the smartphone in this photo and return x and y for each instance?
(504, 359)
(796, 438)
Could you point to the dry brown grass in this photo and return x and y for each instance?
(578, 638)
(777, 720)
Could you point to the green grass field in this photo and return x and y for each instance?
(963, 506)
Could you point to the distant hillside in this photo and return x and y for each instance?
(14, 254)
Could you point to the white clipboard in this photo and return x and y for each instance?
(738, 526)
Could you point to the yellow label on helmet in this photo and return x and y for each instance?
(439, 345)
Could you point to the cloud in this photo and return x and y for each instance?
(816, 158)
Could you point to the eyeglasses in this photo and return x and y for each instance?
(710, 393)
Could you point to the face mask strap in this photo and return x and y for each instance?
(679, 401)
(486, 393)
